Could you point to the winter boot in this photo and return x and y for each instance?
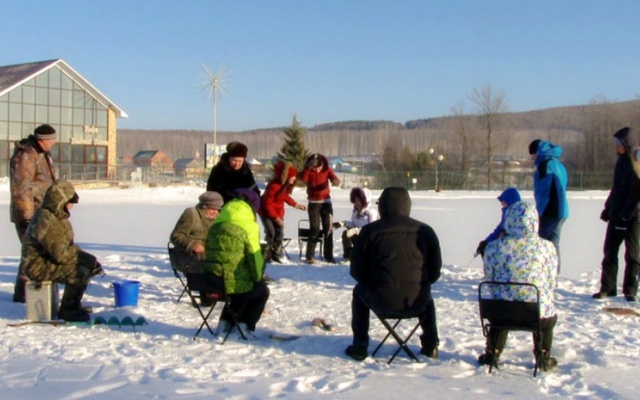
(489, 358)
(311, 251)
(267, 254)
(19, 291)
(70, 307)
(276, 254)
(546, 362)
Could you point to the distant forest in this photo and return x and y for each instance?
(584, 132)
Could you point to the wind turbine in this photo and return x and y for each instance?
(214, 87)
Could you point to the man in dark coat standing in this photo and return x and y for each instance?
(622, 214)
(232, 172)
(394, 262)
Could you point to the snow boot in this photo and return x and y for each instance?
(71, 309)
(19, 290)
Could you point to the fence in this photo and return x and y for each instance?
(414, 180)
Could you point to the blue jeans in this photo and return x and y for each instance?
(550, 229)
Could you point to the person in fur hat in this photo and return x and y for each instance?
(363, 213)
(277, 193)
(232, 172)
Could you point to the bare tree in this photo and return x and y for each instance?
(490, 104)
(459, 126)
(602, 120)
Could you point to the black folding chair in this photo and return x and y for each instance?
(395, 316)
(209, 286)
(178, 274)
(216, 292)
(511, 315)
(285, 243)
(304, 235)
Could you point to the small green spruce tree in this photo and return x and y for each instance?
(293, 149)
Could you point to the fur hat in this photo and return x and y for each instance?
(44, 132)
(284, 170)
(533, 146)
(211, 200)
(237, 149)
(250, 197)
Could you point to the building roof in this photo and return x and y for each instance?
(145, 154)
(12, 76)
(188, 163)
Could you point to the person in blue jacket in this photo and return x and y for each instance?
(550, 190)
(506, 198)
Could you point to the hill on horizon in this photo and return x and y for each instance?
(567, 126)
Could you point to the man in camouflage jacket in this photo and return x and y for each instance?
(31, 175)
(50, 254)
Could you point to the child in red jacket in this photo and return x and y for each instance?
(318, 174)
(271, 212)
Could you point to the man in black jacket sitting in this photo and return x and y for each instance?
(394, 262)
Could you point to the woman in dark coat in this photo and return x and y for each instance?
(232, 172)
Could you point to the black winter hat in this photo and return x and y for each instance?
(44, 132)
(533, 146)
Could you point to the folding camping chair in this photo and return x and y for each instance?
(285, 243)
(385, 316)
(178, 274)
(511, 315)
(304, 235)
(204, 283)
(215, 289)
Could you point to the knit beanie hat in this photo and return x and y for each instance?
(44, 132)
(237, 149)
(250, 197)
(212, 200)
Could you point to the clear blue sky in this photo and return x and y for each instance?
(330, 60)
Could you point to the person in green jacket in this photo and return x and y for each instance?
(233, 252)
(50, 254)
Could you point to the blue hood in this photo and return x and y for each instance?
(547, 150)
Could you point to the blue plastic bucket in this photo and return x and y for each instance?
(126, 293)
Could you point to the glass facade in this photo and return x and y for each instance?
(81, 123)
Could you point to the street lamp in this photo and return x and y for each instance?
(437, 159)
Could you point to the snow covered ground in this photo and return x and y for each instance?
(128, 230)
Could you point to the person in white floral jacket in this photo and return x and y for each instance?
(522, 256)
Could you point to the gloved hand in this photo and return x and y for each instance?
(604, 215)
(97, 270)
(338, 224)
(481, 246)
